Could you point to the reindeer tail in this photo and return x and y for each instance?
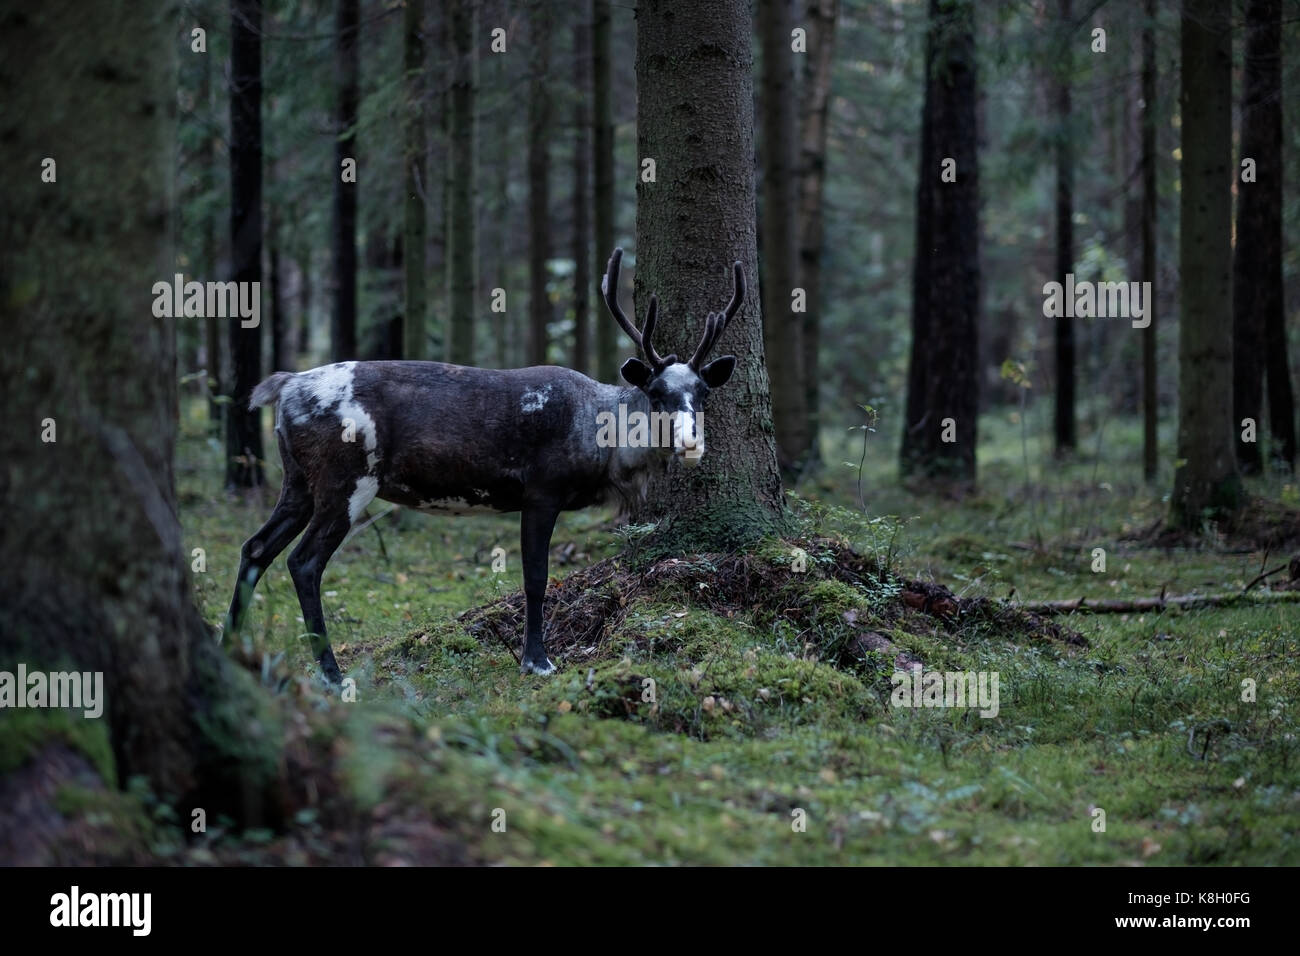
(268, 392)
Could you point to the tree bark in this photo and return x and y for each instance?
(415, 214)
(1064, 431)
(503, 232)
(464, 190)
(1150, 265)
(539, 173)
(1206, 483)
(279, 327)
(943, 396)
(1259, 319)
(92, 572)
(912, 450)
(695, 119)
(820, 19)
(206, 109)
(244, 425)
(782, 327)
(581, 196)
(303, 340)
(602, 119)
(343, 327)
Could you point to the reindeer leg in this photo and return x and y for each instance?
(535, 525)
(307, 563)
(291, 514)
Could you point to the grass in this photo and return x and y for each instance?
(716, 734)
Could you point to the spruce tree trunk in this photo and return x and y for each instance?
(304, 302)
(1150, 265)
(415, 215)
(463, 189)
(782, 326)
(1252, 291)
(1206, 483)
(1259, 319)
(92, 572)
(916, 417)
(602, 119)
(539, 173)
(820, 19)
(1064, 431)
(343, 325)
(278, 323)
(502, 229)
(208, 227)
(695, 119)
(943, 393)
(581, 197)
(244, 425)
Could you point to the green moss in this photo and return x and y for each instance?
(25, 732)
(598, 775)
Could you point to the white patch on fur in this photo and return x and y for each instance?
(330, 387)
(687, 424)
(533, 400)
(365, 493)
(680, 378)
(527, 667)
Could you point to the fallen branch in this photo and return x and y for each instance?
(1137, 605)
(1262, 576)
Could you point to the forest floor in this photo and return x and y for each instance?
(721, 709)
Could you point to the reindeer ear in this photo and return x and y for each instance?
(718, 372)
(636, 372)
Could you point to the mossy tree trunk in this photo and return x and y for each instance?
(1206, 483)
(695, 120)
(93, 576)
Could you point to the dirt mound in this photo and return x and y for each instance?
(586, 607)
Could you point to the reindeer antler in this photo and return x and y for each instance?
(717, 321)
(609, 290)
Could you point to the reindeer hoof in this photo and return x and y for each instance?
(330, 668)
(544, 669)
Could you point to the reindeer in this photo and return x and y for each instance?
(447, 439)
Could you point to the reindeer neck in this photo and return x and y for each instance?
(629, 468)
